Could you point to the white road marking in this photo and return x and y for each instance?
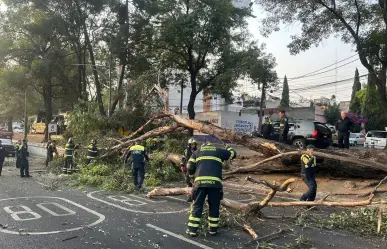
(127, 200)
(69, 211)
(90, 195)
(175, 198)
(178, 236)
(101, 217)
(27, 210)
(145, 199)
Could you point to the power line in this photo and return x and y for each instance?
(322, 68)
(328, 83)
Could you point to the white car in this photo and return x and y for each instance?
(18, 130)
(356, 138)
(376, 139)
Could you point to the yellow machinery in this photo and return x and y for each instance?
(39, 124)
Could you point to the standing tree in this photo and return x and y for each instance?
(362, 23)
(355, 106)
(371, 106)
(285, 100)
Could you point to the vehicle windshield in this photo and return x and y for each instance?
(352, 135)
(377, 134)
(6, 141)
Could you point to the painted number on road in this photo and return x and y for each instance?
(127, 200)
(28, 214)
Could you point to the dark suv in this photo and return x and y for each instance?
(304, 132)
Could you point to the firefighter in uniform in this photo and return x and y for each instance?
(18, 147)
(267, 128)
(24, 154)
(191, 148)
(2, 156)
(308, 173)
(92, 151)
(138, 156)
(284, 127)
(51, 149)
(206, 166)
(69, 154)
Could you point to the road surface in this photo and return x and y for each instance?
(33, 215)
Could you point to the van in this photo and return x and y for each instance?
(376, 139)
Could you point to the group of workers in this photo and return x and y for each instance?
(267, 128)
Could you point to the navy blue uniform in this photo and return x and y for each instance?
(2, 157)
(18, 159)
(69, 156)
(24, 154)
(138, 156)
(267, 129)
(92, 152)
(206, 166)
(308, 173)
(284, 129)
(51, 149)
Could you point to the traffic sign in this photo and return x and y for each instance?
(52, 128)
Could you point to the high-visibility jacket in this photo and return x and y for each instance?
(92, 151)
(267, 128)
(138, 154)
(308, 164)
(51, 148)
(206, 165)
(18, 148)
(69, 149)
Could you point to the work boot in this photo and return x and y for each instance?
(192, 234)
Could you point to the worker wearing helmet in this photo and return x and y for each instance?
(69, 154)
(205, 165)
(92, 151)
(267, 128)
(191, 148)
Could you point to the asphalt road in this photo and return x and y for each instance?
(34, 216)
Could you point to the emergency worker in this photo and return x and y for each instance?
(284, 127)
(51, 149)
(2, 156)
(205, 165)
(18, 147)
(69, 154)
(24, 154)
(92, 151)
(308, 173)
(138, 157)
(191, 148)
(267, 128)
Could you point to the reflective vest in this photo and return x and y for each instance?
(308, 164)
(137, 152)
(69, 149)
(92, 151)
(206, 165)
(51, 148)
(284, 125)
(18, 148)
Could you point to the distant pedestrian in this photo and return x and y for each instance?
(51, 149)
(24, 154)
(284, 127)
(267, 128)
(138, 156)
(18, 147)
(308, 173)
(344, 126)
(2, 156)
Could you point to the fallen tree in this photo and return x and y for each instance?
(250, 210)
(356, 163)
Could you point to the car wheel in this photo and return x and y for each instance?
(300, 143)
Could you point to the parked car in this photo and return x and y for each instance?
(356, 138)
(376, 139)
(305, 132)
(9, 147)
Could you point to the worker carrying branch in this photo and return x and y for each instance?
(205, 165)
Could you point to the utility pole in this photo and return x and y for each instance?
(110, 77)
(25, 114)
(181, 96)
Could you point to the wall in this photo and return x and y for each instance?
(305, 113)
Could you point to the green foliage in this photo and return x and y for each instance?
(355, 106)
(332, 113)
(285, 100)
(159, 171)
(371, 108)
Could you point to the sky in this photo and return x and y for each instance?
(327, 53)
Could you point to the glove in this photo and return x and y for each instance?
(183, 169)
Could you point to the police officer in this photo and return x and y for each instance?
(18, 147)
(191, 148)
(51, 149)
(308, 173)
(2, 156)
(138, 156)
(205, 165)
(69, 154)
(24, 154)
(344, 126)
(284, 127)
(92, 151)
(267, 128)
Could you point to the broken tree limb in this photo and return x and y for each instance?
(157, 116)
